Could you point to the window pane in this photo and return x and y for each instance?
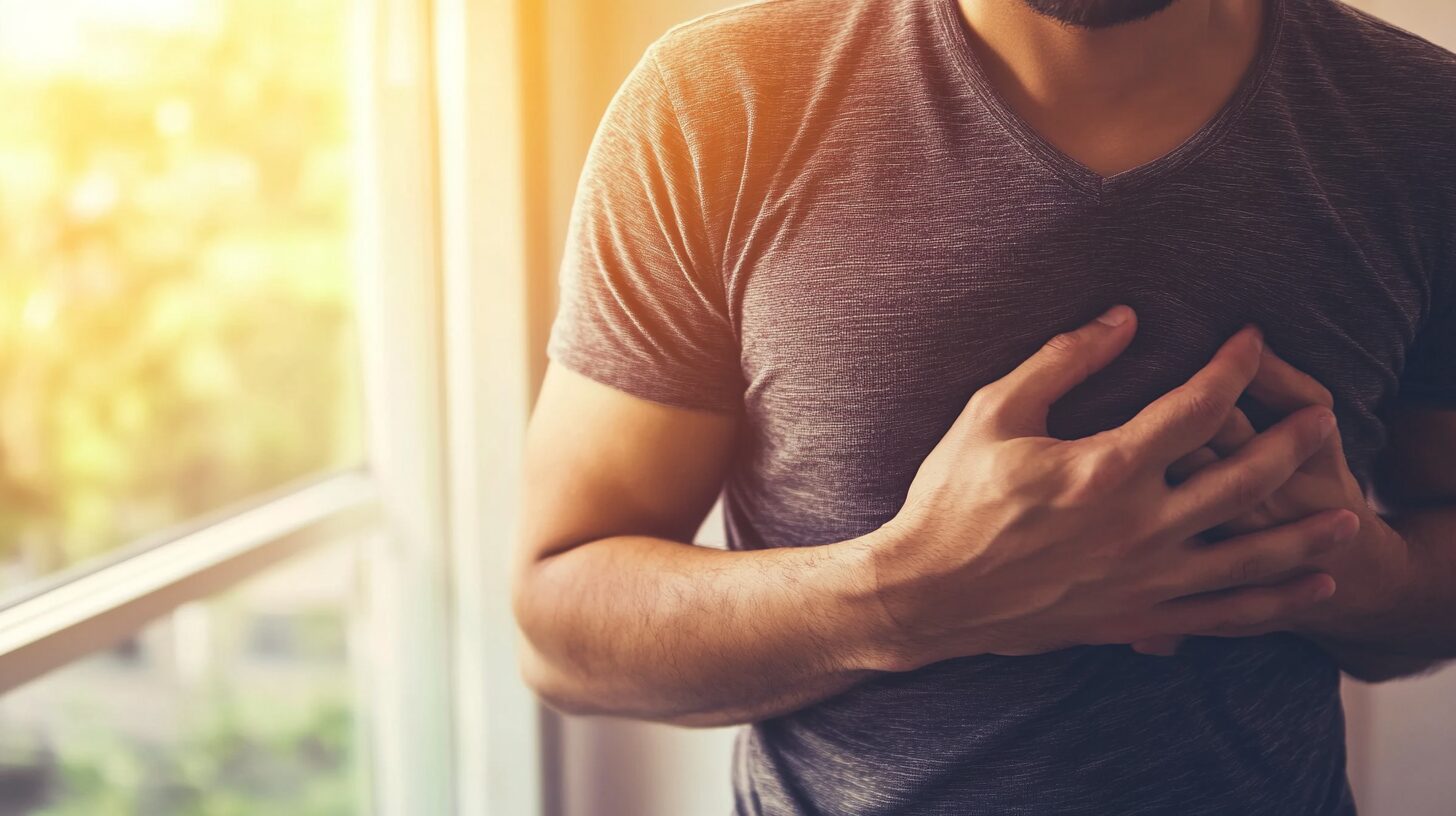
(236, 707)
(175, 296)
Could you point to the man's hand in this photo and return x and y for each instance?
(1012, 542)
(1367, 575)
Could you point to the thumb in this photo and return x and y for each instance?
(1020, 401)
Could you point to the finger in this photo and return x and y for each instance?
(1184, 419)
(1179, 471)
(1284, 388)
(1244, 609)
(1234, 486)
(1266, 556)
(1235, 433)
(1017, 404)
(1281, 386)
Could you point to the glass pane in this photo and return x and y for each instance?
(240, 706)
(175, 297)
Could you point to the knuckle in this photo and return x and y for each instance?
(1111, 462)
(1251, 568)
(1068, 350)
(1093, 474)
(1307, 438)
(1201, 405)
(1065, 343)
(1244, 490)
(986, 402)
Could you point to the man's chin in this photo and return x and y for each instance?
(1097, 13)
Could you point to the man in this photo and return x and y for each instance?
(988, 555)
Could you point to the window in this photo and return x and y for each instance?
(242, 245)
(247, 704)
(176, 324)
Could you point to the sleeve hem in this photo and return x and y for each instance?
(645, 387)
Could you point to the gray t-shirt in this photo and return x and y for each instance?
(818, 214)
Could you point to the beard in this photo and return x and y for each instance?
(1097, 13)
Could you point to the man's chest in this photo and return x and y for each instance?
(867, 327)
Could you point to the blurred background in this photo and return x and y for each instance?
(275, 278)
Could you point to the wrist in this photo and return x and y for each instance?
(1397, 578)
(875, 638)
(1382, 588)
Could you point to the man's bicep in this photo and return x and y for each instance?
(601, 462)
(643, 304)
(1418, 464)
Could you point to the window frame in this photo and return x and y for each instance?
(98, 607)
(446, 315)
(490, 66)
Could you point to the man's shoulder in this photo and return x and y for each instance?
(1375, 53)
(759, 26)
(1374, 83)
(749, 77)
(771, 44)
(1398, 43)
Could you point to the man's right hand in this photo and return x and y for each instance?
(1012, 542)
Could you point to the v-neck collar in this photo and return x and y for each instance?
(1078, 175)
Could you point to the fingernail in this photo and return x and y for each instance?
(1258, 338)
(1326, 424)
(1324, 589)
(1116, 316)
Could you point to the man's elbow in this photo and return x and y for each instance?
(545, 680)
(557, 693)
(580, 691)
(550, 687)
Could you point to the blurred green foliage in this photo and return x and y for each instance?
(245, 755)
(175, 304)
(176, 334)
(253, 714)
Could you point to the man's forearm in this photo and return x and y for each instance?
(1418, 631)
(658, 630)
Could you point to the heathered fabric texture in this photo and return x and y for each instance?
(817, 213)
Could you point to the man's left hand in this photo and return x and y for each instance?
(1369, 573)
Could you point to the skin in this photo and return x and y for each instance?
(1117, 97)
(990, 553)
(1380, 626)
(620, 615)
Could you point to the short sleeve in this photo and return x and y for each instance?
(643, 306)
(1429, 375)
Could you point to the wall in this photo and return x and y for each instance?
(1402, 734)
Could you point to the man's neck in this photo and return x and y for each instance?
(1161, 76)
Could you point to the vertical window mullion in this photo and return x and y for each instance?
(397, 255)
